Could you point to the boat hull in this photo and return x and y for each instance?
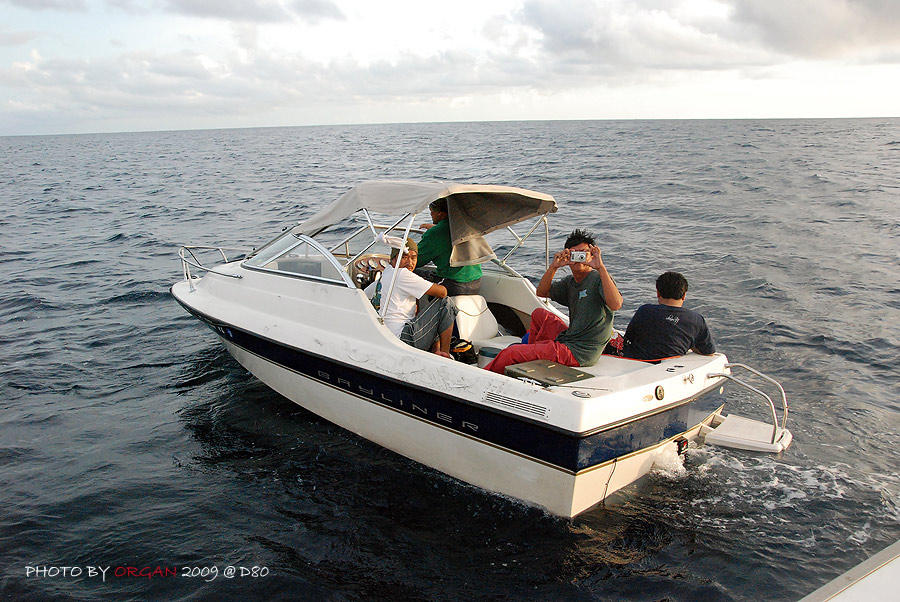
(560, 448)
(294, 314)
(562, 472)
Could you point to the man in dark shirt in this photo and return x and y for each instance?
(667, 329)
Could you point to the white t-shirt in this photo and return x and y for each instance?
(402, 306)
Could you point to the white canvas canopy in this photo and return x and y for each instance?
(474, 210)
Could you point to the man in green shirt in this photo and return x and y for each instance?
(435, 247)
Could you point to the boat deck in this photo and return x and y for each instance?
(617, 373)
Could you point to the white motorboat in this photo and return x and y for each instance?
(872, 579)
(294, 314)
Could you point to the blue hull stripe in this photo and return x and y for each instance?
(568, 451)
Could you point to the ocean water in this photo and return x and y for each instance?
(130, 438)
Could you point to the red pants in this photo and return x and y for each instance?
(542, 345)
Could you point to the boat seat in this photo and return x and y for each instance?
(477, 324)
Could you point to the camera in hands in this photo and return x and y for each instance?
(578, 256)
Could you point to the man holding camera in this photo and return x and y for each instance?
(591, 295)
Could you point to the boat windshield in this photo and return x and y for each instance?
(299, 256)
(352, 252)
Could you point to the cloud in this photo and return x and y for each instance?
(315, 11)
(189, 86)
(17, 38)
(262, 11)
(625, 39)
(589, 36)
(267, 62)
(197, 87)
(62, 5)
(822, 29)
(131, 6)
(246, 36)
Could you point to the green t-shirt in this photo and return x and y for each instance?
(590, 320)
(435, 246)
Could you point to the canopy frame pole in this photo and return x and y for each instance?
(546, 242)
(371, 224)
(368, 246)
(346, 241)
(521, 239)
(356, 232)
(386, 302)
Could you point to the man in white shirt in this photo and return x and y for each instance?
(431, 328)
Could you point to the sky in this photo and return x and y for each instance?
(79, 66)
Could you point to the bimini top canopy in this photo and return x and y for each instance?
(474, 210)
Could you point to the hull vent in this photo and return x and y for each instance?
(518, 405)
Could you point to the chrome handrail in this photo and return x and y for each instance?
(784, 403)
(187, 263)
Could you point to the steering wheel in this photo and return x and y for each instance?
(367, 268)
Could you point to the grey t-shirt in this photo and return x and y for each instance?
(590, 319)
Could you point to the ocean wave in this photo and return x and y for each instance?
(22, 305)
(785, 229)
(70, 265)
(17, 453)
(758, 491)
(875, 353)
(138, 298)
